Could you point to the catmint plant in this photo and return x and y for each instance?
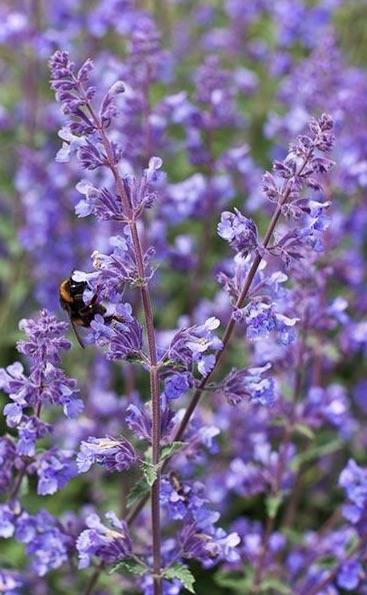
(200, 180)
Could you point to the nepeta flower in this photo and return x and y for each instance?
(239, 231)
(302, 162)
(191, 346)
(100, 202)
(115, 455)
(46, 382)
(353, 479)
(68, 85)
(47, 544)
(105, 204)
(208, 547)
(8, 516)
(246, 479)
(349, 575)
(120, 340)
(139, 421)
(30, 429)
(330, 404)
(11, 583)
(182, 498)
(45, 339)
(177, 385)
(249, 385)
(261, 319)
(55, 468)
(7, 462)
(118, 269)
(109, 543)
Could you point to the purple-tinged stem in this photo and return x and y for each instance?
(152, 348)
(18, 483)
(281, 467)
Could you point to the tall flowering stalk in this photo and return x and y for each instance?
(76, 97)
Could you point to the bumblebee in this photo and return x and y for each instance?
(80, 314)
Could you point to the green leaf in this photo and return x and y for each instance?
(171, 449)
(305, 431)
(150, 472)
(275, 586)
(130, 566)
(273, 503)
(182, 573)
(317, 451)
(237, 583)
(139, 490)
(278, 421)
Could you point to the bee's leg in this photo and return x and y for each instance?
(77, 334)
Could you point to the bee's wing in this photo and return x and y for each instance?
(75, 329)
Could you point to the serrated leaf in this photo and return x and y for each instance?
(305, 431)
(272, 504)
(171, 449)
(183, 574)
(150, 472)
(130, 566)
(139, 490)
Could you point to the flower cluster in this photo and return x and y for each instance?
(45, 384)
